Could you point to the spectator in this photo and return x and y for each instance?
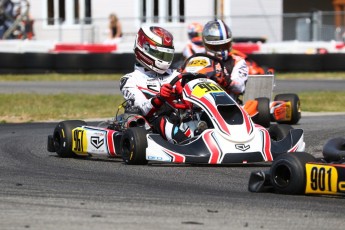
(115, 30)
(7, 16)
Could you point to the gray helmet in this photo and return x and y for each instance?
(217, 36)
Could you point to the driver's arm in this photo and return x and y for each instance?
(130, 88)
(239, 76)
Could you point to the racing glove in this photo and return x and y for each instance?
(222, 79)
(166, 91)
(164, 94)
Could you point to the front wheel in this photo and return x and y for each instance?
(288, 173)
(63, 138)
(133, 146)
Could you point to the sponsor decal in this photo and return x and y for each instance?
(242, 147)
(198, 62)
(97, 142)
(153, 158)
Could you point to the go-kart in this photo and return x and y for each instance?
(253, 67)
(301, 173)
(284, 109)
(221, 132)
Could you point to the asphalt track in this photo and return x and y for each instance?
(112, 87)
(42, 191)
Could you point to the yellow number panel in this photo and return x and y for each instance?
(325, 179)
(207, 87)
(79, 144)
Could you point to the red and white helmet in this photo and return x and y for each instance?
(154, 48)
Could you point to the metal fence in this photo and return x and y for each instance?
(311, 26)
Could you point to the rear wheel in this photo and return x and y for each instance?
(295, 107)
(62, 137)
(133, 146)
(263, 117)
(288, 173)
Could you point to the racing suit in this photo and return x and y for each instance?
(234, 83)
(142, 87)
(192, 48)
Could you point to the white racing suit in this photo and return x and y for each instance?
(238, 69)
(141, 87)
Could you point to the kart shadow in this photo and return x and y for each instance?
(94, 159)
(167, 164)
(248, 165)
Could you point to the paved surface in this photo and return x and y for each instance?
(54, 87)
(42, 191)
(112, 87)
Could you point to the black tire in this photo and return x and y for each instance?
(334, 150)
(133, 146)
(62, 137)
(279, 131)
(288, 174)
(295, 107)
(263, 118)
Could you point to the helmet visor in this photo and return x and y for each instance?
(161, 53)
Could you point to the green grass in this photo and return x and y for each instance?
(35, 107)
(312, 76)
(113, 77)
(60, 77)
(324, 101)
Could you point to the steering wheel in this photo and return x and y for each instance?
(184, 77)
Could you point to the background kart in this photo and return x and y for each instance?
(253, 67)
(283, 109)
(301, 173)
(220, 130)
(257, 99)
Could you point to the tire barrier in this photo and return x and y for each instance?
(123, 62)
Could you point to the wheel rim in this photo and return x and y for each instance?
(282, 176)
(57, 141)
(126, 148)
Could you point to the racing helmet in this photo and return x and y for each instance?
(217, 38)
(195, 33)
(154, 49)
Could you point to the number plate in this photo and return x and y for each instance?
(79, 144)
(207, 87)
(325, 179)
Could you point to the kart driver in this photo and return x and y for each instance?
(195, 44)
(217, 39)
(147, 87)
